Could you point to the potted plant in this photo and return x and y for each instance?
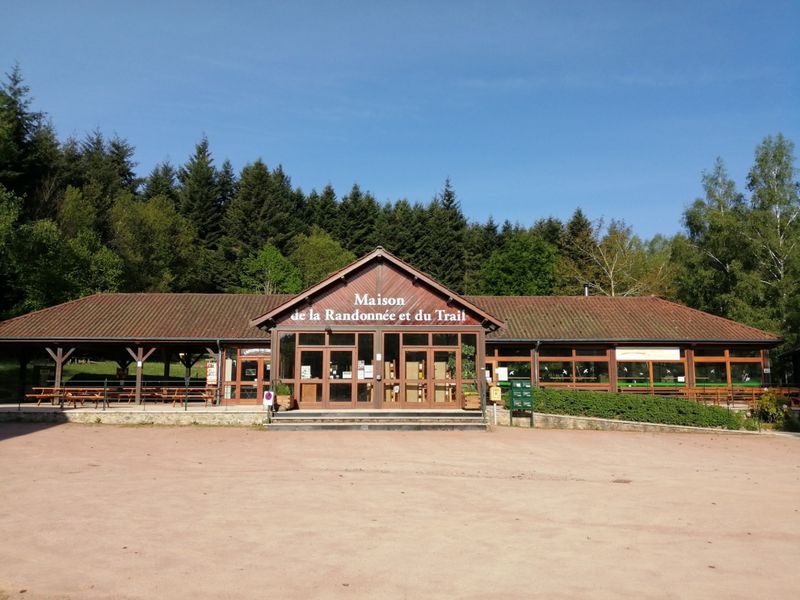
(284, 396)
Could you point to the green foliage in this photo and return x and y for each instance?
(162, 181)
(264, 209)
(771, 407)
(740, 257)
(10, 211)
(447, 228)
(57, 269)
(198, 195)
(317, 255)
(612, 261)
(357, 227)
(634, 407)
(323, 210)
(76, 213)
(269, 272)
(154, 241)
(29, 152)
(525, 265)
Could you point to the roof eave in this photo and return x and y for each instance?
(634, 340)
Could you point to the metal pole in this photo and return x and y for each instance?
(105, 393)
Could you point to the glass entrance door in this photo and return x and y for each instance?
(341, 378)
(430, 378)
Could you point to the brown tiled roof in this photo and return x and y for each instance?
(601, 318)
(142, 317)
(208, 317)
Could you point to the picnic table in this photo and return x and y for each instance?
(68, 395)
(74, 394)
(180, 394)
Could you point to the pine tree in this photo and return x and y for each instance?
(162, 181)
(447, 227)
(30, 157)
(323, 210)
(576, 248)
(357, 229)
(198, 195)
(480, 242)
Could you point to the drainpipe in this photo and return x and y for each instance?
(220, 374)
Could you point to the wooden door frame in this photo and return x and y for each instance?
(430, 380)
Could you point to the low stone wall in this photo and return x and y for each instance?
(110, 417)
(546, 421)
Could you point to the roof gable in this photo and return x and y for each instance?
(378, 289)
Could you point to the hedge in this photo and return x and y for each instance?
(634, 407)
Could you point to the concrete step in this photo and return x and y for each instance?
(372, 419)
(378, 426)
(382, 414)
(386, 420)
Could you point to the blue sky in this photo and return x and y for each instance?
(531, 108)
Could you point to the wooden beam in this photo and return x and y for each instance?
(139, 356)
(23, 375)
(166, 355)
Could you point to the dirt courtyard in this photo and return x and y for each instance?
(154, 512)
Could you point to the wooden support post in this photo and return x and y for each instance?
(60, 357)
(188, 360)
(139, 356)
(766, 371)
(480, 368)
(613, 384)
(23, 375)
(217, 354)
(167, 357)
(690, 379)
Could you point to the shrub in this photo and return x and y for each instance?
(772, 407)
(634, 407)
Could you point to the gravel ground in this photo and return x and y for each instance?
(157, 512)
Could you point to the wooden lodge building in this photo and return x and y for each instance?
(380, 334)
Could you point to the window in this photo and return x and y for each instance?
(669, 374)
(710, 373)
(312, 339)
(342, 339)
(514, 351)
(415, 339)
(445, 339)
(591, 372)
(555, 371)
(746, 374)
(633, 374)
(287, 346)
